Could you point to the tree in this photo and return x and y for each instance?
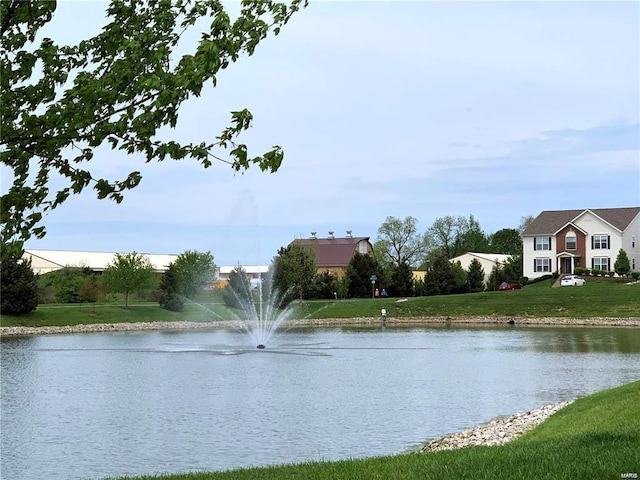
(238, 291)
(460, 280)
(358, 275)
(169, 297)
(507, 241)
(475, 276)
(19, 286)
(325, 285)
(194, 271)
(622, 266)
(496, 277)
(440, 278)
(70, 285)
(447, 234)
(512, 269)
(59, 103)
(401, 283)
(293, 270)
(129, 273)
(525, 221)
(401, 241)
(470, 237)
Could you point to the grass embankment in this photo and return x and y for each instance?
(597, 436)
(598, 298)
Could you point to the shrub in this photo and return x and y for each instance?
(581, 271)
(635, 275)
(539, 279)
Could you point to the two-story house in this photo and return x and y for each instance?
(561, 240)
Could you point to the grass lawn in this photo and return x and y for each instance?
(600, 297)
(596, 437)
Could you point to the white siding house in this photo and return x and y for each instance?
(487, 260)
(561, 240)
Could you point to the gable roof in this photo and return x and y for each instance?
(331, 252)
(490, 257)
(551, 221)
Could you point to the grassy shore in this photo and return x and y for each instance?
(597, 437)
(600, 297)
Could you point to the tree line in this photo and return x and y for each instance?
(127, 274)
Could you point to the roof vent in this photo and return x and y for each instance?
(331, 234)
(349, 234)
(313, 234)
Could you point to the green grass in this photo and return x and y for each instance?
(598, 298)
(596, 437)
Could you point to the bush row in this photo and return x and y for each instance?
(602, 273)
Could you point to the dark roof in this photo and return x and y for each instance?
(550, 221)
(331, 252)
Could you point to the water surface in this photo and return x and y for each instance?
(106, 404)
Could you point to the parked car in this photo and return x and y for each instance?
(510, 286)
(572, 281)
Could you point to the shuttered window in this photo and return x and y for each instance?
(601, 263)
(542, 243)
(601, 242)
(541, 264)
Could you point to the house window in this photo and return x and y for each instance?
(542, 243)
(633, 264)
(600, 242)
(633, 242)
(541, 264)
(571, 242)
(601, 263)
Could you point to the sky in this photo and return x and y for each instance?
(498, 110)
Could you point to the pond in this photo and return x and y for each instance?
(98, 405)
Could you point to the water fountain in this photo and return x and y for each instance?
(261, 312)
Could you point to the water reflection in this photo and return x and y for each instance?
(142, 402)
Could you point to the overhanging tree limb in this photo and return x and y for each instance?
(60, 102)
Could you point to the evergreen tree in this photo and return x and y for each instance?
(475, 276)
(512, 269)
(401, 284)
(440, 279)
(168, 295)
(325, 285)
(460, 281)
(622, 266)
(496, 277)
(19, 286)
(237, 293)
(358, 275)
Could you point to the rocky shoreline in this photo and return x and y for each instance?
(327, 322)
(496, 432)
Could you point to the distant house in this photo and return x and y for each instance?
(43, 261)
(561, 240)
(487, 260)
(333, 253)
